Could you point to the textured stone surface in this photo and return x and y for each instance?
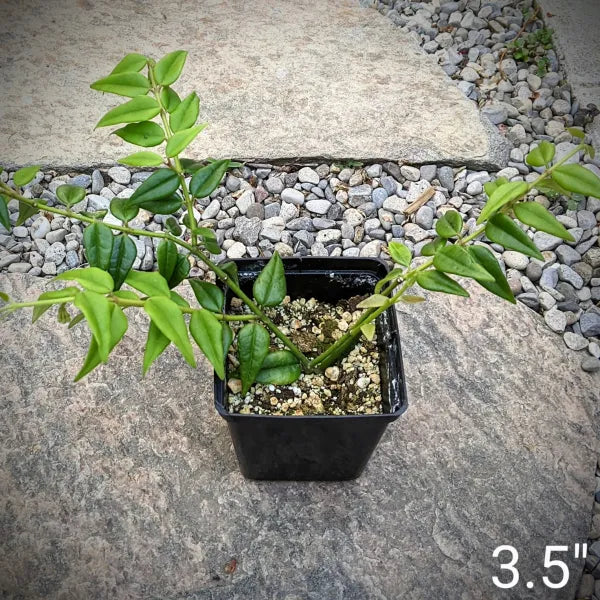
(316, 79)
(128, 488)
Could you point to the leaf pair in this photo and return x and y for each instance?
(174, 267)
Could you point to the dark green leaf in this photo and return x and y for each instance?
(279, 368)
(66, 293)
(400, 253)
(269, 288)
(172, 226)
(145, 134)
(25, 211)
(180, 301)
(541, 155)
(577, 179)
(499, 286)
(70, 194)
(501, 196)
(206, 330)
(182, 139)
(253, 347)
(123, 84)
(169, 67)
(209, 296)
(436, 281)
(206, 179)
(123, 210)
(535, 215)
(25, 175)
(166, 255)
(209, 239)
(155, 345)
(164, 206)
(123, 255)
(90, 278)
(458, 261)
(97, 311)
(141, 108)
(76, 320)
(504, 231)
(190, 166)
(142, 159)
(169, 99)
(182, 270)
(132, 63)
(231, 270)
(159, 185)
(226, 337)
(98, 243)
(186, 113)
(151, 283)
(449, 225)
(4, 214)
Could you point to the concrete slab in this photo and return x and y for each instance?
(278, 79)
(128, 488)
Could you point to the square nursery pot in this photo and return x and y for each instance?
(319, 447)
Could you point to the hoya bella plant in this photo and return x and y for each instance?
(155, 116)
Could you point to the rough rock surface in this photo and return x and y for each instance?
(316, 79)
(128, 488)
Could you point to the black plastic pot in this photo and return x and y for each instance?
(319, 447)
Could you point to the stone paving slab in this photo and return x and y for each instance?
(277, 79)
(128, 488)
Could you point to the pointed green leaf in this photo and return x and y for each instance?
(449, 225)
(123, 210)
(191, 166)
(131, 63)
(76, 320)
(98, 244)
(206, 179)
(436, 281)
(151, 283)
(499, 286)
(123, 84)
(155, 346)
(209, 296)
(226, 337)
(368, 330)
(186, 113)
(4, 214)
(577, 179)
(182, 139)
(231, 270)
(167, 316)
(209, 239)
(279, 368)
(25, 175)
(504, 231)
(253, 347)
(123, 256)
(90, 278)
(373, 301)
(491, 186)
(170, 100)
(141, 108)
(169, 67)
(142, 159)
(539, 217)
(400, 253)
(181, 271)
(206, 330)
(97, 311)
(458, 261)
(145, 134)
(67, 293)
(501, 196)
(166, 255)
(270, 287)
(159, 185)
(164, 206)
(541, 155)
(25, 211)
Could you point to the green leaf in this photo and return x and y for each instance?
(76, 320)
(209, 296)
(25, 211)
(166, 255)
(541, 155)
(90, 278)
(458, 261)
(279, 368)
(182, 270)
(70, 194)
(504, 231)
(159, 185)
(25, 175)
(206, 330)
(145, 134)
(410, 299)
(577, 179)
(209, 239)
(169, 99)
(66, 293)
(167, 316)
(169, 67)
(491, 186)
(226, 337)
(178, 299)
(590, 151)
(182, 139)
(186, 113)
(206, 179)
(155, 346)
(3, 296)
(231, 270)
(269, 288)
(501, 196)
(123, 84)
(539, 217)
(123, 256)
(141, 108)
(172, 226)
(97, 311)
(132, 63)
(373, 301)
(576, 132)
(151, 283)
(142, 159)
(499, 286)
(449, 225)
(118, 327)
(400, 253)
(98, 243)
(253, 347)
(391, 276)
(190, 166)
(164, 206)
(436, 281)
(123, 210)
(126, 295)
(4, 214)
(368, 330)
(431, 248)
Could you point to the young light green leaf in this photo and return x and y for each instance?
(253, 347)
(458, 261)
(539, 217)
(25, 175)
(159, 185)
(123, 256)
(67, 293)
(491, 186)
(279, 368)
(368, 330)
(499, 286)
(206, 330)
(541, 155)
(590, 151)
(142, 159)
(164, 206)
(182, 139)
(145, 134)
(126, 295)
(151, 283)
(410, 299)
(170, 100)
(155, 346)
(431, 248)
(577, 179)
(209, 296)
(206, 179)
(269, 289)
(123, 210)
(131, 63)
(97, 311)
(25, 211)
(186, 113)
(374, 301)
(576, 132)
(98, 243)
(501, 196)
(70, 194)
(141, 108)
(449, 225)
(169, 67)
(123, 84)
(91, 278)
(4, 214)
(400, 253)
(393, 275)
(167, 316)
(209, 239)
(436, 281)
(504, 231)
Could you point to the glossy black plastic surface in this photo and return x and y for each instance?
(319, 447)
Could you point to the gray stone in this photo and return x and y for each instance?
(244, 201)
(308, 175)
(556, 320)
(83, 181)
(586, 219)
(292, 196)
(575, 341)
(515, 260)
(319, 207)
(120, 175)
(232, 183)
(371, 249)
(247, 230)
(567, 255)
(424, 217)
(57, 235)
(20, 231)
(446, 177)
(410, 173)
(545, 241)
(567, 274)
(379, 196)
(428, 172)
(39, 228)
(55, 253)
(97, 181)
(236, 250)
(395, 205)
(96, 202)
(328, 236)
(590, 324)
(274, 185)
(72, 259)
(359, 194)
(590, 364)
(212, 210)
